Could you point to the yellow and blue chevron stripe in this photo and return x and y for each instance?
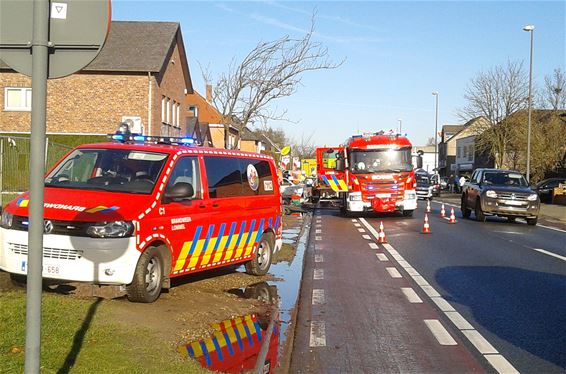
(337, 185)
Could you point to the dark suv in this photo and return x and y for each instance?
(497, 192)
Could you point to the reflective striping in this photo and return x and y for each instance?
(439, 332)
(394, 273)
(229, 245)
(207, 247)
(381, 257)
(188, 249)
(317, 334)
(411, 295)
(342, 186)
(237, 246)
(501, 364)
(249, 237)
(479, 341)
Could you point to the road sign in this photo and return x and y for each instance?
(77, 30)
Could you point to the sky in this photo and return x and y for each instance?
(396, 53)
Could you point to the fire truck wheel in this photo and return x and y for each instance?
(148, 277)
(261, 262)
(408, 213)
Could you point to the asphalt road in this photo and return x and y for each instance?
(493, 296)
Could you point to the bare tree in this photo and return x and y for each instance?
(430, 141)
(304, 147)
(495, 94)
(554, 92)
(245, 94)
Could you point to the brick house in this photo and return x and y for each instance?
(141, 73)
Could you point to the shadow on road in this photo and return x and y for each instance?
(525, 308)
(79, 339)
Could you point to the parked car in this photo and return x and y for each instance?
(436, 185)
(546, 187)
(444, 185)
(288, 189)
(424, 188)
(504, 193)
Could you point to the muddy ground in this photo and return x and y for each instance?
(187, 311)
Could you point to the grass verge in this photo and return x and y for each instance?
(77, 338)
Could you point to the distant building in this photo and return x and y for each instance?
(427, 157)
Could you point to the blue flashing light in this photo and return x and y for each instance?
(139, 138)
(118, 137)
(187, 140)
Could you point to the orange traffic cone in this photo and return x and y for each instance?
(428, 206)
(426, 226)
(452, 216)
(442, 211)
(381, 235)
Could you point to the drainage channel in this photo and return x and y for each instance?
(258, 341)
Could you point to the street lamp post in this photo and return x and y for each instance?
(400, 125)
(530, 29)
(435, 94)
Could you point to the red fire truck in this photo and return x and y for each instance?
(329, 181)
(378, 173)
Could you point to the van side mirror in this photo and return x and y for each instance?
(179, 191)
(340, 164)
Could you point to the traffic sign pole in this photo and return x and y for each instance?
(39, 50)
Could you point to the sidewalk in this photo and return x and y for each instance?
(550, 211)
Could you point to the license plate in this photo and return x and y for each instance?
(511, 202)
(51, 270)
(383, 195)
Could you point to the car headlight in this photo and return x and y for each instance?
(7, 219)
(115, 229)
(356, 197)
(532, 197)
(491, 193)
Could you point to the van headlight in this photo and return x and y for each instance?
(356, 197)
(114, 229)
(7, 220)
(491, 193)
(531, 197)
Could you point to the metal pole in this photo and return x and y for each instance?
(400, 126)
(436, 135)
(39, 51)
(530, 109)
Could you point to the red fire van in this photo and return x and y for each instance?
(141, 210)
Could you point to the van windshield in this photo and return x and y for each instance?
(380, 160)
(117, 170)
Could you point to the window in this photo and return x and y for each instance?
(458, 152)
(471, 153)
(186, 170)
(17, 99)
(163, 104)
(168, 111)
(262, 183)
(224, 178)
(177, 110)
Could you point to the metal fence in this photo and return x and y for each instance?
(14, 164)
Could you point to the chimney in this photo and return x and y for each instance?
(209, 93)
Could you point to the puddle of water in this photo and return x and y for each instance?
(237, 342)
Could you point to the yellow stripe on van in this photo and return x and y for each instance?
(221, 248)
(343, 185)
(196, 349)
(250, 323)
(183, 256)
(207, 251)
(241, 246)
(209, 345)
(196, 254)
(241, 330)
(251, 243)
(220, 338)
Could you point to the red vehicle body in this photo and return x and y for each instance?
(329, 181)
(139, 213)
(378, 173)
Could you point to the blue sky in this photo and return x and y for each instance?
(396, 53)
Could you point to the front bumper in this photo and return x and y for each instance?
(424, 194)
(95, 260)
(383, 204)
(510, 208)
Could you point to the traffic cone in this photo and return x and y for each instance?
(452, 216)
(381, 238)
(426, 226)
(428, 206)
(442, 211)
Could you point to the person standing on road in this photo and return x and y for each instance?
(462, 181)
(451, 183)
(456, 183)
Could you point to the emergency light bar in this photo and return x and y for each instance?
(124, 135)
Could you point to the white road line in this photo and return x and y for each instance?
(550, 254)
(381, 257)
(318, 226)
(373, 245)
(479, 341)
(318, 231)
(411, 295)
(501, 364)
(318, 258)
(357, 224)
(318, 297)
(318, 274)
(439, 332)
(318, 334)
(459, 321)
(404, 264)
(482, 345)
(361, 230)
(367, 237)
(318, 238)
(354, 220)
(394, 272)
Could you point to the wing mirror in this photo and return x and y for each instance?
(179, 191)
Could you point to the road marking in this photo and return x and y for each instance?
(550, 254)
(357, 224)
(381, 257)
(318, 274)
(318, 297)
(318, 258)
(459, 321)
(411, 295)
(404, 264)
(479, 342)
(361, 230)
(354, 220)
(443, 304)
(318, 231)
(367, 237)
(318, 226)
(439, 332)
(420, 280)
(394, 273)
(318, 334)
(501, 364)
(373, 246)
(318, 238)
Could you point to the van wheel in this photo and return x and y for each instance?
(148, 277)
(18, 280)
(261, 262)
(408, 213)
(480, 217)
(466, 212)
